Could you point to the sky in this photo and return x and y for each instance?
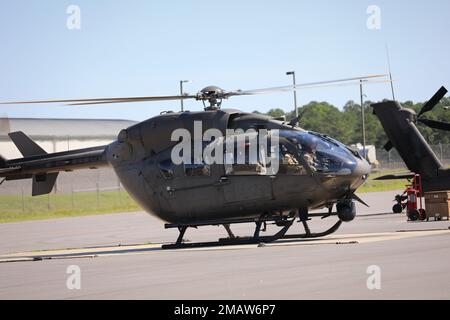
(136, 48)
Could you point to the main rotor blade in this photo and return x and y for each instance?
(435, 124)
(202, 96)
(345, 84)
(124, 100)
(433, 101)
(105, 100)
(301, 86)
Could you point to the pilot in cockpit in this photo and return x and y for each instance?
(309, 153)
(287, 158)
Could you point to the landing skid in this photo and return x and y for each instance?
(284, 223)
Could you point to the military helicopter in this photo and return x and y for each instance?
(400, 125)
(312, 170)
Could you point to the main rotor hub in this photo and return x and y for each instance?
(213, 95)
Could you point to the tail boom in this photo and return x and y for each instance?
(43, 168)
(398, 123)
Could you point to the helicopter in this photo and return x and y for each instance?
(401, 127)
(245, 168)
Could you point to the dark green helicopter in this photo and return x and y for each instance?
(291, 171)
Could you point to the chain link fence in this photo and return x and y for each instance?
(75, 193)
(392, 161)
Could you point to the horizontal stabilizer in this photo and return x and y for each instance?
(398, 176)
(26, 146)
(43, 183)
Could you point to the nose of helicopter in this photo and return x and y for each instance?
(360, 173)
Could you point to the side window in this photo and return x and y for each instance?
(248, 169)
(242, 169)
(249, 156)
(197, 170)
(166, 168)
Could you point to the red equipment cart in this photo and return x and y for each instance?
(410, 199)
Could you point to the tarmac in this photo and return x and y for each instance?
(120, 257)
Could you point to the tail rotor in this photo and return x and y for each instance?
(434, 124)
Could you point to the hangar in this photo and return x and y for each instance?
(55, 135)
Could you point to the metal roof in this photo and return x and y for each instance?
(62, 128)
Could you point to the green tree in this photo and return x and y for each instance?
(346, 126)
(324, 118)
(276, 113)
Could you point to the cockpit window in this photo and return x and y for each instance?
(321, 153)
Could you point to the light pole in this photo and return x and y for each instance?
(295, 92)
(181, 92)
(363, 118)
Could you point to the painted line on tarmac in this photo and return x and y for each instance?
(364, 238)
(123, 250)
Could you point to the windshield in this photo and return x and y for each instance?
(303, 150)
(321, 153)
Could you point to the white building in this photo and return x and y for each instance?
(55, 135)
(370, 153)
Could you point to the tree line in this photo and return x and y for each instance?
(346, 125)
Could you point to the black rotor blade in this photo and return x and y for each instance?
(105, 100)
(347, 81)
(200, 96)
(124, 100)
(435, 124)
(433, 101)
